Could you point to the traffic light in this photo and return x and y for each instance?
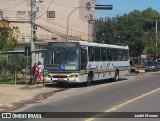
(27, 51)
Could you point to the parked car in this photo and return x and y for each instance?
(152, 66)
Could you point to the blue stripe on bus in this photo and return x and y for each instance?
(90, 69)
(61, 71)
(120, 66)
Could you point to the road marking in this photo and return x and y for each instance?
(125, 103)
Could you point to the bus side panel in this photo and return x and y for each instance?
(103, 70)
(82, 78)
(106, 70)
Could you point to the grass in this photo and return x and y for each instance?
(32, 87)
(21, 81)
(7, 80)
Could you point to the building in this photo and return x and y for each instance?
(51, 19)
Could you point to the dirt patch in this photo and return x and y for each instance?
(14, 97)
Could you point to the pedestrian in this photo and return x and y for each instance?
(39, 71)
(34, 72)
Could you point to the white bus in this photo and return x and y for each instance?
(77, 62)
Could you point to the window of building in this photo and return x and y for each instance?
(21, 14)
(54, 38)
(50, 14)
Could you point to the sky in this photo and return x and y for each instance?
(125, 6)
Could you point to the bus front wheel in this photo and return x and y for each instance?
(89, 81)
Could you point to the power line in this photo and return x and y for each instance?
(62, 5)
(46, 10)
(17, 4)
(72, 29)
(62, 26)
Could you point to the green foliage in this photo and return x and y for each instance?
(136, 29)
(8, 67)
(8, 40)
(16, 63)
(8, 37)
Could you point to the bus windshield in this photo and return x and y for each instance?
(66, 58)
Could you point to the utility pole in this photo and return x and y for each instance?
(33, 17)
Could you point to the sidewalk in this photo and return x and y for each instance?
(15, 96)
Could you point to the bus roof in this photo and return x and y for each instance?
(102, 45)
(86, 43)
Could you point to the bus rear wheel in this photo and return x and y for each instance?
(116, 76)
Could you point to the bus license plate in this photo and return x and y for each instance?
(60, 79)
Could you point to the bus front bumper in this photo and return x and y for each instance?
(61, 80)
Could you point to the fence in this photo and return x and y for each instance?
(15, 65)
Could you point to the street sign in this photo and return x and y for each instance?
(104, 7)
(144, 56)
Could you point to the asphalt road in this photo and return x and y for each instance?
(140, 94)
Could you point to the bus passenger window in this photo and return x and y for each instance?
(83, 58)
(115, 54)
(119, 55)
(91, 53)
(97, 54)
(125, 55)
(109, 54)
(103, 54)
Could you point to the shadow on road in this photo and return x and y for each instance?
(107, 81)
(82, 85)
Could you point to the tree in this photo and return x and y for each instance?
(16, 63)
(8, 40)
(135, 29)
